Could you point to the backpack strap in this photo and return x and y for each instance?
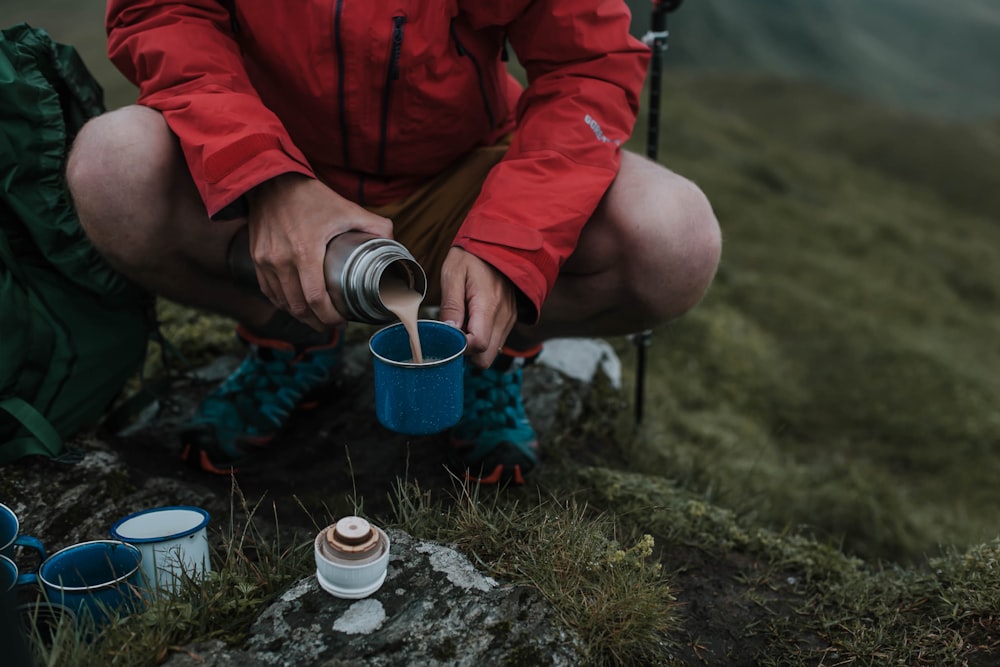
(43, 432)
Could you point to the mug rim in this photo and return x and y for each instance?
(17, 526)
(205, 518)
(411, 364)
(97, 587)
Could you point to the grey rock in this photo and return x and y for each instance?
(435, 608)
(582, 358)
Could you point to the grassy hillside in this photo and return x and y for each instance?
(843, 372)
(937, 57)
(951, 158)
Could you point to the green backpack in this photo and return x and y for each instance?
(72, 330)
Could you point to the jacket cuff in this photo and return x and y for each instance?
(238, 167)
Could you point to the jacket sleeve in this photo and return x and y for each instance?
(185, 60)
(585, 76)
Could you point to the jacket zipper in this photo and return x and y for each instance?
(391, 74)
(479, 75)
(341, 96)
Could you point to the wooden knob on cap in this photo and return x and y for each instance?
(352, 530)
(352, 534)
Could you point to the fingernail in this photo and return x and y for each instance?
(452, 323)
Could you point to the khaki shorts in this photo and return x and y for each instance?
(427, 221)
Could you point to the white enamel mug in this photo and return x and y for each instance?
(173, 542)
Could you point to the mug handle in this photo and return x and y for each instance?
(26, 579)
(31, 543)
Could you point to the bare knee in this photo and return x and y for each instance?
(674, 251)
(120, 172)
(695, 250)
(121, 152)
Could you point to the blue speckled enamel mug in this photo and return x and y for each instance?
(418, 399)
(97, 578)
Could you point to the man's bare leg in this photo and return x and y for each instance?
(647, 256)
(139, 206)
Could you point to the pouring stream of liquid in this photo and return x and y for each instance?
(404, 303)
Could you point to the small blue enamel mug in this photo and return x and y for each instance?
(418, 399)
(98, 578)
(10, 536)
(9, 577)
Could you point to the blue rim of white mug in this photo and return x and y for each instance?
(97, 587)
(17, 527)
(412, 364)
(160, 538)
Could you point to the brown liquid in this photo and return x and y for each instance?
(404, 303)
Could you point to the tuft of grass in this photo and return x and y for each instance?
(249, 570)
(614, 595)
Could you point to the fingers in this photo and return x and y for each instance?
(477, 297)
(287, 295)
(292, 220)
(300, 290)
(453, 305)
(316, 309)
(375, 224)
(302, 308)
(452, 309)
(485, 338)
(453, 286)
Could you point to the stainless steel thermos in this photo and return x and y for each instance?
(355, 265)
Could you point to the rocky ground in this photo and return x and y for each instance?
(332, 461)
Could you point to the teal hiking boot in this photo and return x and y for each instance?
(494, 441)
(254, 403)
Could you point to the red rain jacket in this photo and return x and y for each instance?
(374, 97)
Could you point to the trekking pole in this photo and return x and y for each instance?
(656, 39)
